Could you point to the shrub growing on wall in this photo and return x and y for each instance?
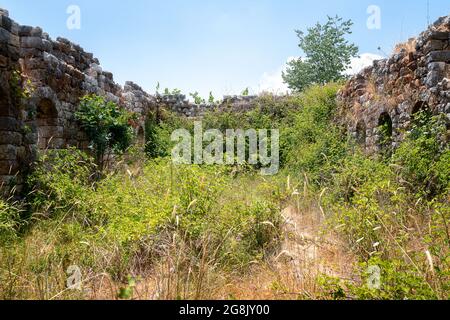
(106, 125)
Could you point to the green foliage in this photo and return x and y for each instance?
(174, 92)
(20, 88)
(61, 179)
(158, 134)
(189, 201)
(197, 98)
(327, 54)
(424, 156)
(211, 99)
(106, 125)
(126, 293)
(10, 222)
(245, 92)
(398, 281)
(388, 210)
(392, 212)
(312, 144)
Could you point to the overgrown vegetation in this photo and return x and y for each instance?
(146, 228)
(106, 125)
(192, 228)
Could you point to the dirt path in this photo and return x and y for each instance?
(307, 252)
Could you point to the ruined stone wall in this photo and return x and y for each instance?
(41, 82)
(391, 91)
(180, 105)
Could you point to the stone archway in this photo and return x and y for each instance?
(47, 123)
(141, 136)
(420, 106)
(420, 113)
(385, 131)
(361, 133)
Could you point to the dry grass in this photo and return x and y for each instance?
(307, 252)
(408, 46)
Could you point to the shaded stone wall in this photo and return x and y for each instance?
(391, 91)
(41, 82)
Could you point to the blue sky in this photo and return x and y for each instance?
(222, 46)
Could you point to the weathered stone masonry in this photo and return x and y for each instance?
(57, 74)
(393, 90)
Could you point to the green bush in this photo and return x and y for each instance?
(10, 222)
(61, 180)
(106, 125)
(313, 145)
(423, 156)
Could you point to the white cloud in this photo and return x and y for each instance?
(363, 61)
(273, 81)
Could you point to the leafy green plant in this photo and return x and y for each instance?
(211, 99)
(197, 98)
(21, 87)
(10, 222)
(106, 125)
(423, 157)
(61, 179)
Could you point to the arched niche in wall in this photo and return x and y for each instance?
(385, 131)
(420, 112)
(47, 122)
(141, 136)
(361, 132)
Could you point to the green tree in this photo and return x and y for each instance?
(197, 98)
(106, 125)
(327, 55)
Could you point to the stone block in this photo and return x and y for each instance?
(5, 22)
(434, 45)
(439, 56)
(30, 138)
(32, 42)
(8, 167)
(8, 152)
(25, 31)
(4, 12)
(8, 124)
(3, 61)
(36, 32)
(5, 36)
(440, 35)
(9, 137)
(30, 52)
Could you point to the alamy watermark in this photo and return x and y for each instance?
(74, 277)
(74, 20)
(374, 277)
(235, 146)
(374, 19)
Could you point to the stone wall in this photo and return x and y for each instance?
(391, 91)
(180, 105)
(55, 75)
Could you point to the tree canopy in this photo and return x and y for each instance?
(327, 54)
